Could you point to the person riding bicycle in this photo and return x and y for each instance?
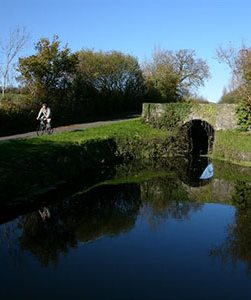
(45, 115)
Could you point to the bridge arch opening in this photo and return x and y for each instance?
(200, 136)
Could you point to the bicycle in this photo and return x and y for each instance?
(44, 127)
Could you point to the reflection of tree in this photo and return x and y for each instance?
(46, 240)
(105, 211)
(237, 245)
(108, 210)
(242, 195)
(167, 198)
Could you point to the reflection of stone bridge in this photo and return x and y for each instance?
(197, 122)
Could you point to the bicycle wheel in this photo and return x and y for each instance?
(40, 130)
(50, 130)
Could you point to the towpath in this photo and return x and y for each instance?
(67, 128)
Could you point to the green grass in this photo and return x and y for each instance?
(236, 140)
(130, 129)
(30, 165)
(126, 129)
(42, 162)
(123, 133)
(233, 146)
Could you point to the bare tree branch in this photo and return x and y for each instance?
(9, 50)
(239, 62)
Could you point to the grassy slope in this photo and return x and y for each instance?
(130, 129)
(30, 165)
(229, 145)
(233, 146)
(121, 130)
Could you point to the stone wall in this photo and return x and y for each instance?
(220, 116)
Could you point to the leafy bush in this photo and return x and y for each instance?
(17, 116)
(243, 112)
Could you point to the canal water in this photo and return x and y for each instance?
(175, 231)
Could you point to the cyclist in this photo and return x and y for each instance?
(45, 115)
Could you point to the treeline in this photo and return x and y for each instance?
(239, 62)
(88, 85)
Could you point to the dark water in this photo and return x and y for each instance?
(159, 233)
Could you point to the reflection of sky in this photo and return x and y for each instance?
(152, 238)
(138, 262)
(208, 172)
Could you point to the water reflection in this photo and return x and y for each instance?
(166, 198)
(105, 211)
(112, 209)
(117, 220)
(237, 245)
(196, 171)
(208, 173)
(44, 213)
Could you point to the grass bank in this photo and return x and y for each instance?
(233, 146)
(33, 165)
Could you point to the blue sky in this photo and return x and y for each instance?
(137, 26)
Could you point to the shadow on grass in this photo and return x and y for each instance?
(29, 167)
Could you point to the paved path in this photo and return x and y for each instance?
(64, 128)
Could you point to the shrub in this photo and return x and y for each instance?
(243, 112)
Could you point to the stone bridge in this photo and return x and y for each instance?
(196, 123)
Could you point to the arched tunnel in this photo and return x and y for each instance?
(199, 136)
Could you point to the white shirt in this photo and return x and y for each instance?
(44, 112)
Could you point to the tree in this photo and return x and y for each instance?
(232, 97)
(50, 70)
(115, 79)
(239, 62)
(175, 74)
(9, 50)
